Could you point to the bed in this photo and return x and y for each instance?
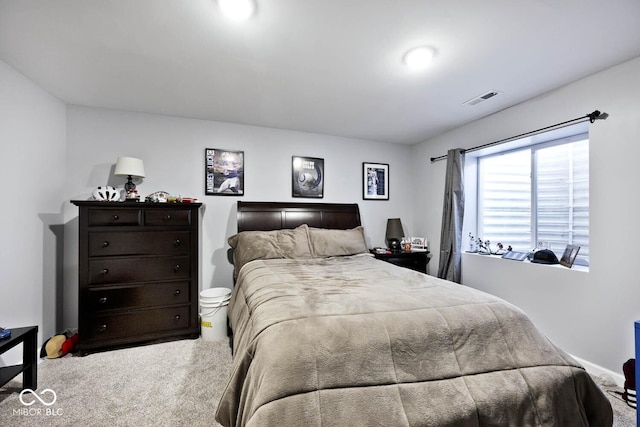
(326, 335)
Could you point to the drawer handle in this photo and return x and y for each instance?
(105, 244)
(176, 317)
(177, 242)
(167, 217)
(102, 300)
(102, 328)
(176, 268)
(104, 271)
(116, 217)
(177, 292)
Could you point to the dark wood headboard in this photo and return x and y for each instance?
(266, 216)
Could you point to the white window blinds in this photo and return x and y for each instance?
(537, 196)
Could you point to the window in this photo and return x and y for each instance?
(536, 193)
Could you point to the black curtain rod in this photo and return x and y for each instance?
(596, 115)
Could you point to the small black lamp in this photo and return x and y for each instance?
(394, 234)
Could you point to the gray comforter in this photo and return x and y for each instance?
(354, 341)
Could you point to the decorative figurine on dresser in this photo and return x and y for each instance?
(138, 273)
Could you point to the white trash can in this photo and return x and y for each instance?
(213, 314)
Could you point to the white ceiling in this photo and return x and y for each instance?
(325, 66)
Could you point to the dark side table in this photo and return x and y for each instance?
(29, 367)
(414, 260)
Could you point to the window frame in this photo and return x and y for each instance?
(562, 136)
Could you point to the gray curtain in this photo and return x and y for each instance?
(452, 216)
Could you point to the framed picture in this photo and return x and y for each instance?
(307, 177)
(569, 255)
(418, 243)
(375, 181)
(224, 172)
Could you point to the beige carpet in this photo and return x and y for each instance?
(176, 383)
(169, 384)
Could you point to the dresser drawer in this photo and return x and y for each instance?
(138, 296)
(139, 269)
(138, 242)
(167, 217)
(138, 323)
(117, 216)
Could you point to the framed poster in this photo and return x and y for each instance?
(569, 255)
(375, 181)
(224, 172)
(307, 177)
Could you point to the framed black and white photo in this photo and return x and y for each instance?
(418, 243)
(224, 172)
(307, 177)
(375, 181)
(569, 255)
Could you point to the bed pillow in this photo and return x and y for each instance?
(330, 242)
(251, 245)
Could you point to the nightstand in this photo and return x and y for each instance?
(414, 260)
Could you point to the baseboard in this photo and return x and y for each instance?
(599, 371)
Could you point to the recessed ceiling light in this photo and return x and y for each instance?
(237, 10)
(419, 58)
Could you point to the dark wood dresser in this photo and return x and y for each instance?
(138, 273)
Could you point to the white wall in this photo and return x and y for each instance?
(32, 151)
(590, 314)
(173, 153)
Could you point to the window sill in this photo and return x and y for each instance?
(580, 268)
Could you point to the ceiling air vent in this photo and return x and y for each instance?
(482, 98)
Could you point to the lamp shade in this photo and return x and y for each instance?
(126, 166)
(394, 229)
